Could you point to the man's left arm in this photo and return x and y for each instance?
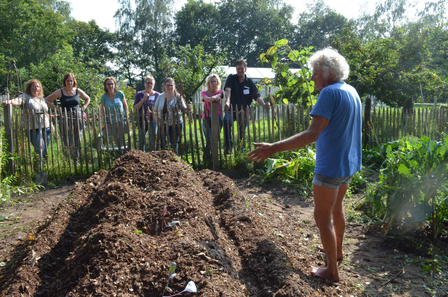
(257, 96)
(266, 105)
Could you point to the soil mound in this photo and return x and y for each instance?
(118, 233)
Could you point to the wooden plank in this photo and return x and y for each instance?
(58, 137)
(254, 129)
(213, 107)
(247, 115)
(191, 141)
(269, 123)
(140, 123)
(196, 135)
(382, 111)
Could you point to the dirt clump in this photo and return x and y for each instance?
(119, 231)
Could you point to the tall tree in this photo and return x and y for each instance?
(319, 26)
(391, 69)
(249, 27)
(30, 33)
(198, 23)
(388, 16)
(145, 32)
(93, 44)
(190, 67)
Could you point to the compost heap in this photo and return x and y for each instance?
(112, 237)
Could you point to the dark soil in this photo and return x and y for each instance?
(110, 237)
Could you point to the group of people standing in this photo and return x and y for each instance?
(335, 127)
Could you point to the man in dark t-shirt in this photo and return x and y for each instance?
(240, 91)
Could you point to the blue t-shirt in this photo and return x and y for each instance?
(114, 108)
(339, 148)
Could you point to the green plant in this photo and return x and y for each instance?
(293, 87)
(297, 170)
(413, 186)
(12, 184)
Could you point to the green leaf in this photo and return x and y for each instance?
(294, 55)
(421, 213)
(272, 50)
(273, 60)
(403, 170)
(281, 42)
(137, 232)
(172, 268)
(285, 101)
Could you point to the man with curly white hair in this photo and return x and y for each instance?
(336, 129)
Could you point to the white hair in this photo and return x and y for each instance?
(329, 61)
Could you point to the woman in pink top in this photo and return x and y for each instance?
(211, 94)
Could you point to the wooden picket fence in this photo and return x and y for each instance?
(97, 148)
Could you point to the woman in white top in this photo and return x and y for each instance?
(169, 107)
(35, 117)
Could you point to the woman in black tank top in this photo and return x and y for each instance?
(70, 114)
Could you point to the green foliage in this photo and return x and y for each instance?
(129, 91)
(413, 186)
(30, 31)
(12, 185)
(92, 45)
(198, 23)
(395, 60)
(295, 168)
(295, 87)
(242, 28)
(319, 26)
(190, 67)
(52, 70)
(143, 37)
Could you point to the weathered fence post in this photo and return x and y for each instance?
(367, 126)
(215, 134)
(7, 116)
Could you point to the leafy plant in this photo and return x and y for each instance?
(294, 87)
(413, 186)
(12, 184)
(298, 169)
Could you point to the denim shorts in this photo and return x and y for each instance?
(330, 182)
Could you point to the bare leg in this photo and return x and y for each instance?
(339, 220)
(324, 202)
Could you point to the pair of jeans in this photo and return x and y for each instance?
(40, 143)
(144, 127)
(207, 123)
(173, 133)
(229, 119)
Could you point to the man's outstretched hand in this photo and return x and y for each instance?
(264, 151)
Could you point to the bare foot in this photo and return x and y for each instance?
(340, 256)
(324, 273)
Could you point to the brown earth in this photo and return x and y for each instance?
(108, 236)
